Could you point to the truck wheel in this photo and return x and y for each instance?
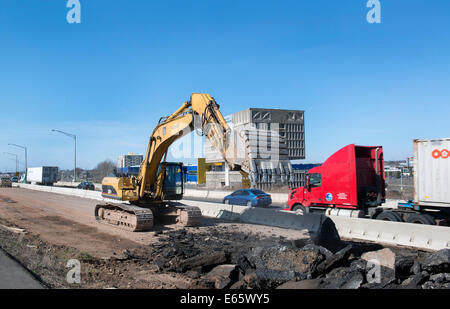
(300, 209)
(389, 216)
(421, 219)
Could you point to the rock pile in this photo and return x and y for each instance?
(431, 273)
(219, 259)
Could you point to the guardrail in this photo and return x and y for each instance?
(394, 233)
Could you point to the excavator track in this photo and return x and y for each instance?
(127, 217)
(189, 216)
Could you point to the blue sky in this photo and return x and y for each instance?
(110, 78)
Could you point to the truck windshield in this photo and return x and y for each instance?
(315, 180)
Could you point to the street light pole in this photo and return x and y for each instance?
(17, 160)
(26, 160)
(75, 152)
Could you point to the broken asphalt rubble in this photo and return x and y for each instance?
(235, 260)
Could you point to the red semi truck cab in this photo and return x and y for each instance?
(353, 178)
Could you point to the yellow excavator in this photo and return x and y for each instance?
(159, 183)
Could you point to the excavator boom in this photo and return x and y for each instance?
(202, 112)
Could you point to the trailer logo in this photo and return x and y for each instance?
(444, 154)
(329, 197)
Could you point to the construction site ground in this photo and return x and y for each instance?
(44, 231)
(59, 228)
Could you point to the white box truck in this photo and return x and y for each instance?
(43, 175)
(431, 202)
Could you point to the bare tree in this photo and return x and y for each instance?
(103, 169)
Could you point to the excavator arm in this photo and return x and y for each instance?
(202, 112)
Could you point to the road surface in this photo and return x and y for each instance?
(14, 276)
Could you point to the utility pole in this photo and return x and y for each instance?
(26, 160)
(75, 152)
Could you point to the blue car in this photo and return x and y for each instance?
(248, 197)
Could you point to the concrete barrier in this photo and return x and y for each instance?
(394, 233)
(94, 195)
(280, 198)
(217, 194)
(216, 210)
(196, 193)
(283, 219)
(98, 186)
(67, 184)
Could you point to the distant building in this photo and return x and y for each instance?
(399, 168)
(289, 124)
(270, 138)
(131, 159)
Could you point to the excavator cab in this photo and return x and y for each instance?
(173, 180)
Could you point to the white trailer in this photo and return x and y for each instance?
(43, 175)
(432, 172)
(431, 202)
